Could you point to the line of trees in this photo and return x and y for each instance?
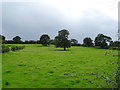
(61, 40)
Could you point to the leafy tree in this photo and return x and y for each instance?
(62, 39)
(73, 42)
(111, 43)
(115, 44)
(17, 39)
(52, 41)
(45, 39)
(101, 40)
(2, 39)
(87, 42)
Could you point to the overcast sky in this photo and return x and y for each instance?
(83, 18)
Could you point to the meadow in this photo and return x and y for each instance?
(37, 66)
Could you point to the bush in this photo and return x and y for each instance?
(114, 48)
(12, 48)
(5, 49)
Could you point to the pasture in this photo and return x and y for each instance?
(37, 66)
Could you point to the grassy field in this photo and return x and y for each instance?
(0, 70)
(49, 67)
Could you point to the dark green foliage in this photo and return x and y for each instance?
(17, 39)
(14, 48)
(26, 42)
(101, 40)
(118, 78)
(10, 42)
(115, 45)
(45, 40)
(74, 42)
(32, 42)
(4, 42)
(38, 42)
(52, 41)
(62, 39)
(78, 44)
(2, 39)
(11, 48)
(5, 49)
(87, 42)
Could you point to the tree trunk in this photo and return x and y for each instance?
(64, 49)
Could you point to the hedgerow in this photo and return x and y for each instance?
(11, 48)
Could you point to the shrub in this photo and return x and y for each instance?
(5, 49)
(114, 48)
(12, 48)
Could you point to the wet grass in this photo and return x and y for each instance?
(49, 67)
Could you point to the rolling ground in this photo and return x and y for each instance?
(48, 67)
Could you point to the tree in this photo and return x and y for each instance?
(74, 42)
(45, 40)
(114, 45)
(101, 40)
(62, 39)
(52, 41)
(2, 39)
(87, 42)
(17, 39)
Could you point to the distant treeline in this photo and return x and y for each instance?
(101, 41)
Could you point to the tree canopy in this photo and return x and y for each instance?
(45, 40)
(87, 42)
(115, 43)
(17, 39)
(2, 39)
(101, 40)
(62, 39)
(73, 41)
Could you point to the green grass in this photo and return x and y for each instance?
(0, 70)
(49, 67)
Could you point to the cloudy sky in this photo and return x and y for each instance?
(83, 18)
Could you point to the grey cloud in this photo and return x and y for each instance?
(30, 22)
